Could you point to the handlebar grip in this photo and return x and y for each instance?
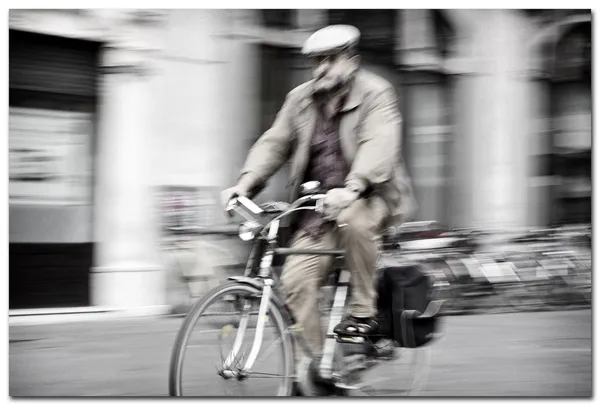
(249, 205)
(244, 207)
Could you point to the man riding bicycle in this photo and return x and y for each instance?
(343, 129)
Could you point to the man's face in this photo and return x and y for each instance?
(332, 71)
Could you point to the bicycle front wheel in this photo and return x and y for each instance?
(215, 342)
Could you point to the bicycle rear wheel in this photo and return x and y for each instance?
(214, 343)
(406, 374)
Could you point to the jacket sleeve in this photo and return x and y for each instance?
(378, 143)
(269, 152)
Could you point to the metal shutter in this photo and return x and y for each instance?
(52, 64)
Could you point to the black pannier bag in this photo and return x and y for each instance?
(406, 312)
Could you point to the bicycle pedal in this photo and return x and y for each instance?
(296, 327)
(382, 350)
(350, 339)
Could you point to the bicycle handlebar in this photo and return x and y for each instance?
(250, 211)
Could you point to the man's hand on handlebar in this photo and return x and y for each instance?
(231, 193)
(330, 205)
(337, 200)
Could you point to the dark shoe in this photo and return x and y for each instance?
(353, 326)
(310, 383)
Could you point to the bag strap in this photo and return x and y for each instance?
(405, 317)
(433, 308)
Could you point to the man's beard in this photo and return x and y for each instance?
(328, 86)
(332, 85)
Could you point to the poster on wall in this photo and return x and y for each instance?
(186, 208)
(50, 159)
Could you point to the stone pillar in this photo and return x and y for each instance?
(207, 99)
(242, 93)
(126, 274)
(492, 105)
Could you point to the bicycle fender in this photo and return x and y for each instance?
(247, 280)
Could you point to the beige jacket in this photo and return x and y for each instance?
(370, 137)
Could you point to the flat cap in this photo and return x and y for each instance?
(331, 40)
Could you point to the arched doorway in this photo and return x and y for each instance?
(571, 111)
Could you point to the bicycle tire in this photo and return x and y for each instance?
(275, 312)
(417, 371)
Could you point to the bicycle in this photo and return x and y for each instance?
(252, 301)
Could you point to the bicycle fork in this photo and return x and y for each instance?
(239, 338)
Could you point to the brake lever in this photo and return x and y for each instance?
(320, 206)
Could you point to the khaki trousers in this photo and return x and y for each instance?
(303, 275)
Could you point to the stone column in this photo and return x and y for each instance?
(493, 116)
(207, 104)
(126, 274)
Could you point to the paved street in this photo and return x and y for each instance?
(520, 354)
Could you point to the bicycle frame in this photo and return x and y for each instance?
(264, 277)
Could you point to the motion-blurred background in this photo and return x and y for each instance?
(125, 124)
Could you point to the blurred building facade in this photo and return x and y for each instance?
(107, 106)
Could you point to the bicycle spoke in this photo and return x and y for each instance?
(258, 374)
(236, 363)
(367, 384)
(268, 352)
